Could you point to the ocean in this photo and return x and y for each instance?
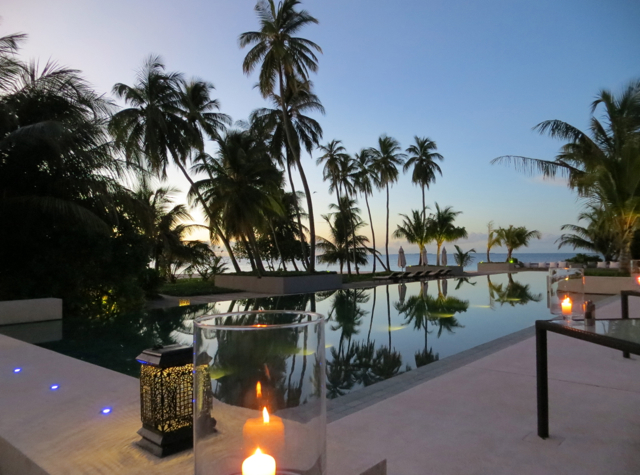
(413, 259)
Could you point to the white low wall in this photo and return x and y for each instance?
(601, 285)
(280, 285)
(28, 311)
(497, 267)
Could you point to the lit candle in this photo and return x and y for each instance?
(638, 280)
(259, 464)
(566, 306)
(259, 390)
(266, 431)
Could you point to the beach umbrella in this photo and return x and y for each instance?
(444, 256)
(402, 261)
(445, 287)
(402, 292)
(425, 259)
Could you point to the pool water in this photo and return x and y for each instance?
(372, 334)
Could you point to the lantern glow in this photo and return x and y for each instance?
(566, 305)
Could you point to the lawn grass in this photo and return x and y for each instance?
(605, 273)
(191, 287)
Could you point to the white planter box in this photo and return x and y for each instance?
(32, 310)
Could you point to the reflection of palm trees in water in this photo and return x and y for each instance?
(513, 294)
(423, 310)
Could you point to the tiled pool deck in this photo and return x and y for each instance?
(473, 413)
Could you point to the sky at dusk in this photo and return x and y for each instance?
(473, 76)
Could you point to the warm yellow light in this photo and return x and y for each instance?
(259, 390)
(259, 464)
(265, 416)
(566, 305)
(184, 302)
(638, 280)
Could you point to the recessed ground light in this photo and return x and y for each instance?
(106, 410)
(54, 387)
(17, 370)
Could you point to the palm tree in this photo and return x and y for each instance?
(340, 248)
(283, 57)
(441, 228)
(492, 239)
(414, 229)
(334, 158)
(386, 160)
(243, 188)
(364, 179)
(598, 236)
(300, 100)
(166, 121)
(515, 237)
(463, 258)
(422, 157)
(601, 165)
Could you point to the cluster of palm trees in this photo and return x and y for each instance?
(374, 167)
(603, 166)
(512, 237)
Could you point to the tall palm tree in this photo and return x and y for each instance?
(364, 179)
(441, 228)
(515, 237)
(386, 160)
(334, 157)
(422, 157)
(601, 165)
(282, 57)
(166, 121)
(414, 229)
(300, 100)
(597, 236)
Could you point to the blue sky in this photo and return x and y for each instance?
(473, 76)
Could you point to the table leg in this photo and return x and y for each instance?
(542, 383)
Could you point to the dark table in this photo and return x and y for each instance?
(620, 334)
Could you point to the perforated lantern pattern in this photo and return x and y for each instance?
(166, 397)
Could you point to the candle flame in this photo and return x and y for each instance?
(566, 301)
(259, 389)
(638, 279)
(265, 416)
(258, 451)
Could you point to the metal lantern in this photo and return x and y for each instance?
(166, 399)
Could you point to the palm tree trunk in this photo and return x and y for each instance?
(353, 233)
(212, 221)
(343, 211)
(386, 244)
(439, 243)
(424, 205)
(275, 241)
(249, 254)
(373, 234)
(625, 254)
(296, 157)
(256, 250)
(303, 253)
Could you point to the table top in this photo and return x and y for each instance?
(615, 333)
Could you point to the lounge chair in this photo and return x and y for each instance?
(425, 274)
(562, 264)
(401, 276)
(614, 265)
(415, 275)
(391, 276)
(602, 265)
(446, 273)
(437, 273)
(553, 265)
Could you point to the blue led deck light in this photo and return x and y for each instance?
(54, 387)
(17, 370)
(106, 410)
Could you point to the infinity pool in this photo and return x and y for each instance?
(372, 334)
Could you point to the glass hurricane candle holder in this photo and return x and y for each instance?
(259, 389)
(566, 292)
